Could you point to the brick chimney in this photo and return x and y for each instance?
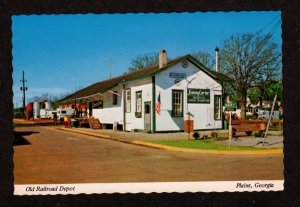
(162, 58)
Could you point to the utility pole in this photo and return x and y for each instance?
(109, 67)
(23, 88)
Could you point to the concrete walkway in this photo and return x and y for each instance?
(274, 142)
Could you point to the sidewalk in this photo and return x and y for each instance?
(140, 138)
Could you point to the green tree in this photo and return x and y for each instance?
(254, 95)
(229, 90)
(268, 90)
(249, 60)
(275, 88)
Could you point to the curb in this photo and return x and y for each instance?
(178, 149)
(220, 152)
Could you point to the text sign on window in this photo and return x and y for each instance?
(198, 96)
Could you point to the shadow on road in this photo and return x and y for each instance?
(19, 138)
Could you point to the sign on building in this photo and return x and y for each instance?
(198, 96)
(177, 75)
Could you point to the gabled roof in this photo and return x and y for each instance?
(103, 86)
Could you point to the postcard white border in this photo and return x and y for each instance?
(153, 187)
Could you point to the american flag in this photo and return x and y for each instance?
(158, 104)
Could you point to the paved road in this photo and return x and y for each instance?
(54, 156)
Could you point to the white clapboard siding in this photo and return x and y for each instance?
(110, 113)
(144, 85)
(195, 78)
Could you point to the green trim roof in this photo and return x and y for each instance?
(103, 86)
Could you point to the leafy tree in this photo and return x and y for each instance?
(275, 88)
(205, 58)
(229, 90)
(268, 89)
(254, 94)
(143, 61)
(249, 60)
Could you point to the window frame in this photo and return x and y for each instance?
(173, 104)
(100, 104)
(128, 101)
(115, 98)
(216, 110)
(138, 114)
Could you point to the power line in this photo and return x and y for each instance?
(265, 39)
(259, 31)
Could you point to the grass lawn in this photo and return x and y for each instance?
(209, 144)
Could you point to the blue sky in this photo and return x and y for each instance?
(61, 53)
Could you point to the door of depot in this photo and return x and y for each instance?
(147, 116)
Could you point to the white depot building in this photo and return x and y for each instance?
(158, 98)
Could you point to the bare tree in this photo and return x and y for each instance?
(205, 58)
(42, 97)
(143, 61)
(249, 60)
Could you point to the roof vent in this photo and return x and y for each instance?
(162, 58)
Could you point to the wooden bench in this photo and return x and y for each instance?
(247, 126)
(83, 121)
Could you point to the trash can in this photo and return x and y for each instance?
(74, 123)
(188, 126)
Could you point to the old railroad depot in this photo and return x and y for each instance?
(158, 98)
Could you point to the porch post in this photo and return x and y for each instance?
(124, 107)
(153, 105)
